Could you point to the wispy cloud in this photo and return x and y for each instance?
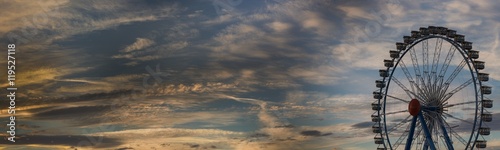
(139, 44)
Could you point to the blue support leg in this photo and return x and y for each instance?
(410, 135)
(426, 131)
(446, 137)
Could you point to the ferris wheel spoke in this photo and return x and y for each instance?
(447, 61)
(396, 112)
(457, 104)
(451, 116)
(416, 67)
(400, 140)
(433, 130)
(437, 54)
(456, 71)
(452, 76)
(408, 75)
(425, 59)
(414, 86)
(431, 117)
(408, 92)
(397, 98)
(404, 121)
(433, 80)
(457, 89)
(444, 68)
(460, 138)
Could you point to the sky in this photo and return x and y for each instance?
(216, 74)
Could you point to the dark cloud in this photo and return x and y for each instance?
(125, 148)
(195, 146)
(363, 125)
(68, 140)
(77, 98)
(494, 125)
(72, 111)
(495, 122)
(314, 133)
(256, 135)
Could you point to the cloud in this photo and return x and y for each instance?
(321, 75)
(76, 86)
(35, 11)
(59, 20)
(355, 12)
(259, 37)
(279, 26)
(139, 44)
(173, 138)
(154, 53)
(41, 27)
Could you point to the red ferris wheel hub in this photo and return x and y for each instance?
(414, 107)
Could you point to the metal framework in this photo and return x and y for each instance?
(442, 89)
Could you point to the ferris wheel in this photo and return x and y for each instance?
(432, 94)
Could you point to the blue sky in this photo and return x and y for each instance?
(227, 74)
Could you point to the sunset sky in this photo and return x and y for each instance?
(216, 74)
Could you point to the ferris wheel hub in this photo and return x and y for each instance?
(414, 107)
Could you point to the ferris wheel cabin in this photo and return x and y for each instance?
(473, 54)
(487, 103)
(415, 34)
(380, 83)
(450, 33)
(377, 95)
(442, 30)
(376, 129)
(400, 46)
(378, 140)
(376, 106)
(486, 89)
(467, 45)
(478, 64)
(375, 118)
(388, 63)
(480, 144)
(486, 117)
(484, 131)
(407, 39)
(394, 54)
(433, 30)
(383, 73)
(424, 31)
(483, 76)
(459, 38)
